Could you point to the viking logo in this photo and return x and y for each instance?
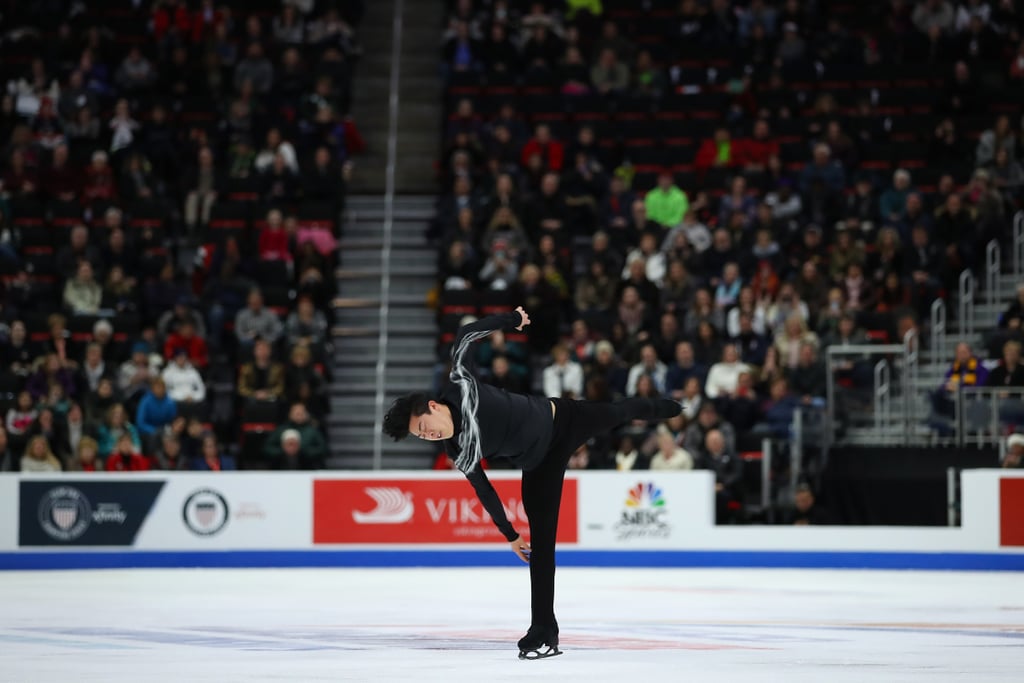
(394, 506)
(205, 512)
(64, 513)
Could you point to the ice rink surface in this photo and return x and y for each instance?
(456, 625)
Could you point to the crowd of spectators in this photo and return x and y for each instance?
(171, 174)
(694, 199)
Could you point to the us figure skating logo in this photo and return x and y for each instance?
(644, 514)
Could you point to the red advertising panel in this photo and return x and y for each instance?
(422, 511)
(1011, 511)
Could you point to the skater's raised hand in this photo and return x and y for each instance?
(521, 548)
(526, 318)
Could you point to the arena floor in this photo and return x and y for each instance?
(462, 624)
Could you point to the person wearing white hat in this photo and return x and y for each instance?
(1014, 458)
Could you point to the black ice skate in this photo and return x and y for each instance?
(539, 642)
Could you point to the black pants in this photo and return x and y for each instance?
(576, 422)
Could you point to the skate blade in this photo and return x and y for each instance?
(537, 654)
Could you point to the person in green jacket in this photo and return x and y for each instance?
(666, 204)
(312, 450)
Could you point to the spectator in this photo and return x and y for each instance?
(183, 382)
(16, 353)
(791, 338)
(262, 379)
(137, 372)
(650, 366)
(82, 294)
(125, 457)
(202, 184)
(170, 457)
(50, 372)
(75, 252)
(114, 427)
(213, 460)
(255, 69)
(721, 151)
(1000, 136)
(156, 410)
(60, 182)
(670, 456)
(86, 458)
(8, 462)
(186, 338)
(273, 242)
(682, 370)
(808, 378)
(542, 144)
(1010, 371)
(303, 382)
(707, 420)
(1014, 457)
(257, 322)
(666, 204)
(297, 443)
(777, 412)
(609, 75)
(805, 510)
(94, 368)
(718, 457)
(564, 377)
(580, 459)
(723, 377)
(933, 14)
(822, 169)
(967, 370)
(38, 457)
(76, 428)
(893, 202)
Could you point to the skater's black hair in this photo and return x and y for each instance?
(396, 421)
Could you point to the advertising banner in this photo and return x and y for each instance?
(103, 513)
(422, 511)
(249, 510)
(644, 510)
(1011, 512)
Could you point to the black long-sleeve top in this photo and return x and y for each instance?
(492, 423)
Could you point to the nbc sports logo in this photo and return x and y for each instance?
(644, 512)
(392, 506)
(645, 495)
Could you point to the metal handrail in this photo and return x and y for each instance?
(1018, 243)
(967, 303)
(882, 379)
(992, 267)
(938, 330)
(997, 397)
(766, 478)
(909, 378)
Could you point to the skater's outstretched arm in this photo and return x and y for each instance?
(489, 499)
(462, 374)
(467, 334)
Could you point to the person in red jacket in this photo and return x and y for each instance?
(719, 152)
(273, 243)
(185, 338)
(756, 152)
(551, 151)
(125, 458)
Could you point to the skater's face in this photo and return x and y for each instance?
(435, 425)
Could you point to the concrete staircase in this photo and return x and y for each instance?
(934, 361)
(419, 96)
(409, 352)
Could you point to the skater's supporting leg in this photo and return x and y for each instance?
(576, 422)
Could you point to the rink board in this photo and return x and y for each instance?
(404, 519)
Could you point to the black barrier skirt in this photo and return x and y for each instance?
(895, 486)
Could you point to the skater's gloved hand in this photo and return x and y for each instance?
(521, 548)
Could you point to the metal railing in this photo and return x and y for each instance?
(886, 360)
(992, 268)
(966, 303)
(981, 415)
(938, 330)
